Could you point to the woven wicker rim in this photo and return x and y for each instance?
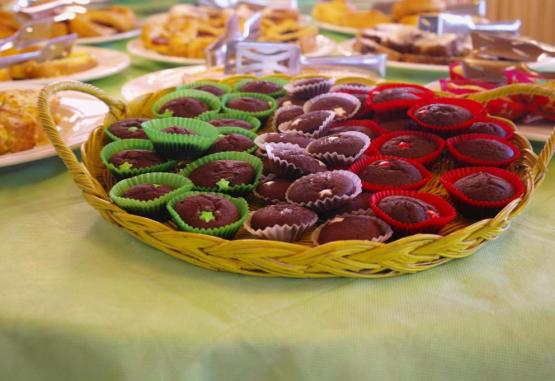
(356, 259)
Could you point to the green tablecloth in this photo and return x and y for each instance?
(80, 299)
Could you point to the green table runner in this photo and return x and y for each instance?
(80, 299)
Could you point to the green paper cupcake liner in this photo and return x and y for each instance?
(155, 209)
(227, 231)
(212, 101)
(193, 85)
(257, 114)
(254, 122)
(125, 144)
(234, 189)
(238, 130)
(176, 146)
(277, 81)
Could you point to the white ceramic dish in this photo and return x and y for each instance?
(80, 114)
(109, 62)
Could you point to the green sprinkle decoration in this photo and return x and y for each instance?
(133, 129)
(207, 216)
(156, 186)
(223, 184)
(125, 166)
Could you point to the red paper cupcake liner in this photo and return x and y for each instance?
(424, 160)
(505, 108)
(475, 108)
(466, 160)
(386, 107)
(369, 124)
(475, 208)
(362, 163)
(506, 125)
(432, 225)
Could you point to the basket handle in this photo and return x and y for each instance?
(78, 171)
(547, 90)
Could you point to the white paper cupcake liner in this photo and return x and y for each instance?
(285, 233)
(334, 158)
(319, 132)
(384, 237)
(295, 90)
(355, 88)
(350, 97)
(281, 110)
(285, 168)
(330, 203)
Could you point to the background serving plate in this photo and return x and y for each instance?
(109, 62)
(336, 28)
(80, 114)
(111, 38)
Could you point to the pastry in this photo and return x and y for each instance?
(103, 22)
(353, 227)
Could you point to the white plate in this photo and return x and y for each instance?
(346, 48)
(336, 28)
(111, 38)
(537, 131)
(81, 113)
(324, 47)
(109, 62)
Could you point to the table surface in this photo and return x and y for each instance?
(82, 299)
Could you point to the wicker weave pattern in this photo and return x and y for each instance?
(356, 259)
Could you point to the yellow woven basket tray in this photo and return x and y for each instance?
(357, 259)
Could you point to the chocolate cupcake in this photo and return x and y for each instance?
(308, 87)
(232, 119)
(366, 127)
(422, 147)
(215, 88)
(227, 172)
(389, 98)
(353, 227)
(412, 212)
(272, 189)
(253, 104)
(313, 124)
(339, 149)
(281, 222)
(131, 157)
(129, 128)
(386, 172)
(482, 150)
(282, 137)
(292, 161)
(324, 191)
(492, 126)
(234, 139)
(270, 86)
(289, 101)
(231, 123)
(208, 213)
(343, 105)
(446, 116)
(186, 104)
(285, 114)
(358, 205)
(481, 192)
(147, 195)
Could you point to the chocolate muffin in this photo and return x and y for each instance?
(205, 211)
(248, 104)
(359, 203)
(231, 142)
(409, 146)
(185, 107)
(309, 123)
(146, 192)
(363, 130)
(290, 101)
(223, 174)
(308, 88)
(396, 94)
(406, 209)
(301, 160)
(484, 149)
(353, 227)
(343, 143)
(261, 87)
(210, 89)
(135, 158)
(390, 172)
(273, 188)
(226, 122)
(281, 215)
(287, 113)
(398, 124)
(488, 128)
(128, 128)
(483, 186)
(319, 186)
(179, 130)
(442, 114)
(343, 105)
(292, 138)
